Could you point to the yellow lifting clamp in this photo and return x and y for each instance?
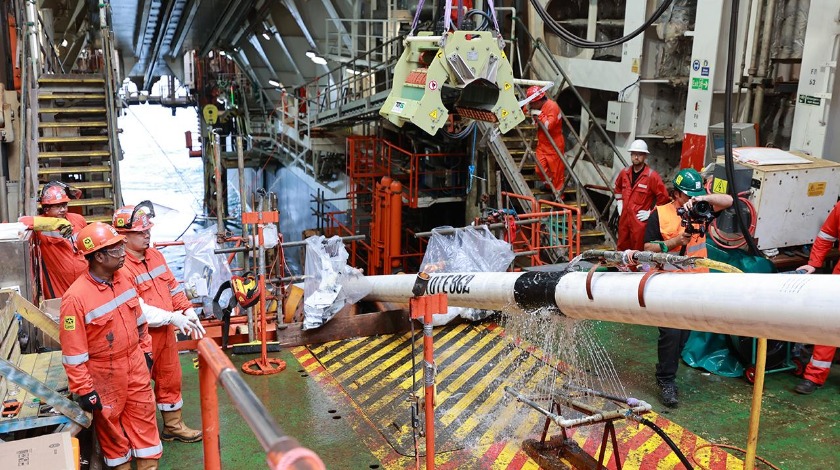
(470, 62)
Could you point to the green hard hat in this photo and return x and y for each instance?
(689, 181)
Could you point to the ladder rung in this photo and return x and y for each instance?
(73, 139)
(592, 233)
(75, 154)
(99, 218)
(70, 79)
(58, 170)
(73, 110)
(87, 185)
(71, 96)
(91, 202)
(72, 124)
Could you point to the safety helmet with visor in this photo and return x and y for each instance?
(56, 192)
(689, 181)
(97, 236)
(134, 218)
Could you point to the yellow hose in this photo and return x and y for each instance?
(717, 265)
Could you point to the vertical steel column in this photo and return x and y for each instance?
(217, 164)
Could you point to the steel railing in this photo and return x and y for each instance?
(282, 452)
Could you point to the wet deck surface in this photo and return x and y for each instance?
(311, 402)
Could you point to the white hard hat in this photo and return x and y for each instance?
(638, 145)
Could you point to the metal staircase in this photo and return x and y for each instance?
(74, 141)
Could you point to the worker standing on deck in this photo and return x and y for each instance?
(107, 352)
(548, 113)
(816, 372)
(55, 230)
(158, 288)
(666, 233)
(638, 189)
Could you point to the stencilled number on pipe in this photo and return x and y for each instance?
(450, 284)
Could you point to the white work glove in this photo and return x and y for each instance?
(642, 215)
(182, 323)
(619, 204)
(807, 268)
(198, 329)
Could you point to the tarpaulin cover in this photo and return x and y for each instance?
(326, 273)
(470, 249)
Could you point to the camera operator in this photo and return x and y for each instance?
(680, 227)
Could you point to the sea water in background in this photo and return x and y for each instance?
(156, 166)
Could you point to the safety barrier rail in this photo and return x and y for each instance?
(549, 231)
(282, 451)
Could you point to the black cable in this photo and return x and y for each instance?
(665, 438)
(729, 163)
(584, 44)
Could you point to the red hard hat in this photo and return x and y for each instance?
(535, 90)
(53, 194)
(96, 236)
(123, 221)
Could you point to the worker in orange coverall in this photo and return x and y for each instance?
(548, 113)
(638, 189)
(816, 372)
(54, 230)
(107, 352)
(170, 308)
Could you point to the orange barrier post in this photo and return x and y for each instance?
(423, 307)
(282, 452)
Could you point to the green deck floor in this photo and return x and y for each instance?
(797, 432)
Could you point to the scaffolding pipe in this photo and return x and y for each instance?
(787, 307)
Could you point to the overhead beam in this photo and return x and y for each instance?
(184, 27)
(292, 7)
(333, 14)
(163, 25)
(221, 24)
(255, 43)
(288, 54)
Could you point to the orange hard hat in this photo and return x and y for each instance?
(134, 218)
(56, 192)
(96, 236)
(535, 90)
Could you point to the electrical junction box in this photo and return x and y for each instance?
(619, 116)
(791, 200)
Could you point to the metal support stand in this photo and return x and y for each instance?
(264, 365)
(422, 307)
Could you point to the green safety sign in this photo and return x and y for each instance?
(699, 83)
(806, 99)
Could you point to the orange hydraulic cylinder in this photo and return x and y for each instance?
(395, 226)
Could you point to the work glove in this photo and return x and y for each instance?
(90, 401)
(807, 269)
(619, 204)
(198, 330)
(642, 215)
(149, 361)
(182, 323)
(48, 224)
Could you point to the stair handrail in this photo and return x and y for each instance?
(25, 90)
(111, 103)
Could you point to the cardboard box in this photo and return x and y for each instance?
(52, 451)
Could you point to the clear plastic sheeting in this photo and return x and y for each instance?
(204, 271)
(470, 249)
(326, 274)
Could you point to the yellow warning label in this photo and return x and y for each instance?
(635, 67)
(719, 186)
(69, 323)
(440, 54)
(434, 114)
(504, 56)
(507, 86)
(816, 189)
(88, 243)
(504, 113)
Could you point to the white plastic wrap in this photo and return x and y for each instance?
(326, 272)
(204, 271)
(471, 249)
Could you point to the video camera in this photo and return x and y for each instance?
(698, 218)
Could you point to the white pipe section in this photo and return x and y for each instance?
(789, 307)
(526, 82)
(423, 38)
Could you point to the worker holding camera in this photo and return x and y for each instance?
(679, 227)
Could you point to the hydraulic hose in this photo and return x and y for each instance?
(584, 44)
(664, 437)
(729, 163)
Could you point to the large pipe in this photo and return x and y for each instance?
(785, 307)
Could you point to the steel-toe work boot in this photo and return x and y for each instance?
(806, 387)
(147, 464)
(668, 395)
(174, 428)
